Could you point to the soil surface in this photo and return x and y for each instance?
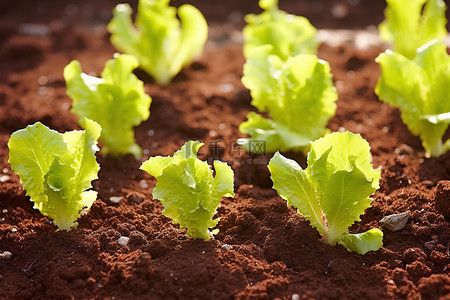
(264, 249)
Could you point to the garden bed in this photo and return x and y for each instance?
(264, 249)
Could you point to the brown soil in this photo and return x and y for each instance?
(264, 250)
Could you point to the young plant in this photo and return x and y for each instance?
(56, 169)
(288, 34)
(187, 190)
(117, 101)
(161, 45)
(412, 23)
(332, 192)
(419, 87)
(298, 95)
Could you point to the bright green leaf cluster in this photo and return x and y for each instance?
(117, 101)
(419, 87)
(288, 34)
(187, 190)
(412, 23)
(332, 192)
(56, 169)
(298, 95)
(161, 45)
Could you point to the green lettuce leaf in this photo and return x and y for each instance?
(288, 34)
(371, 240)
(56, 169)
(333, 191)
(117, 101)
(161, 44)
(298, 95)
(419, 88)
(294, 185)
(187, 189)
(413, 23)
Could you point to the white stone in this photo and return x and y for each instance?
(123, 241)
(227, 247)
(143, 184)
(4, 178)
(115, 199)
(5, 255)
(396, 222)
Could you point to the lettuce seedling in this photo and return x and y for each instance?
(187, 190)
(411, 24)
(419, 87)
(117, 101)
(298, 95)
(288, 34)
(161, 45)
(332, 192)
(56, 169)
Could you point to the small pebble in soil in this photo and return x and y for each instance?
(222, 126)
(227, 247)
(430, 245)
(295, 297)
(123, 241)
(340, 85)
(226, 87)
(5, 255)
(135, 198)
(43, 80)
(143, 184)
(4, 211)
(115, 199)
(14, 229)
(237, 37)
(404, 149)
(65, 106)
(5, 170)
(4, 178)
(42, 90)
(151, 132)
(396, 222)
